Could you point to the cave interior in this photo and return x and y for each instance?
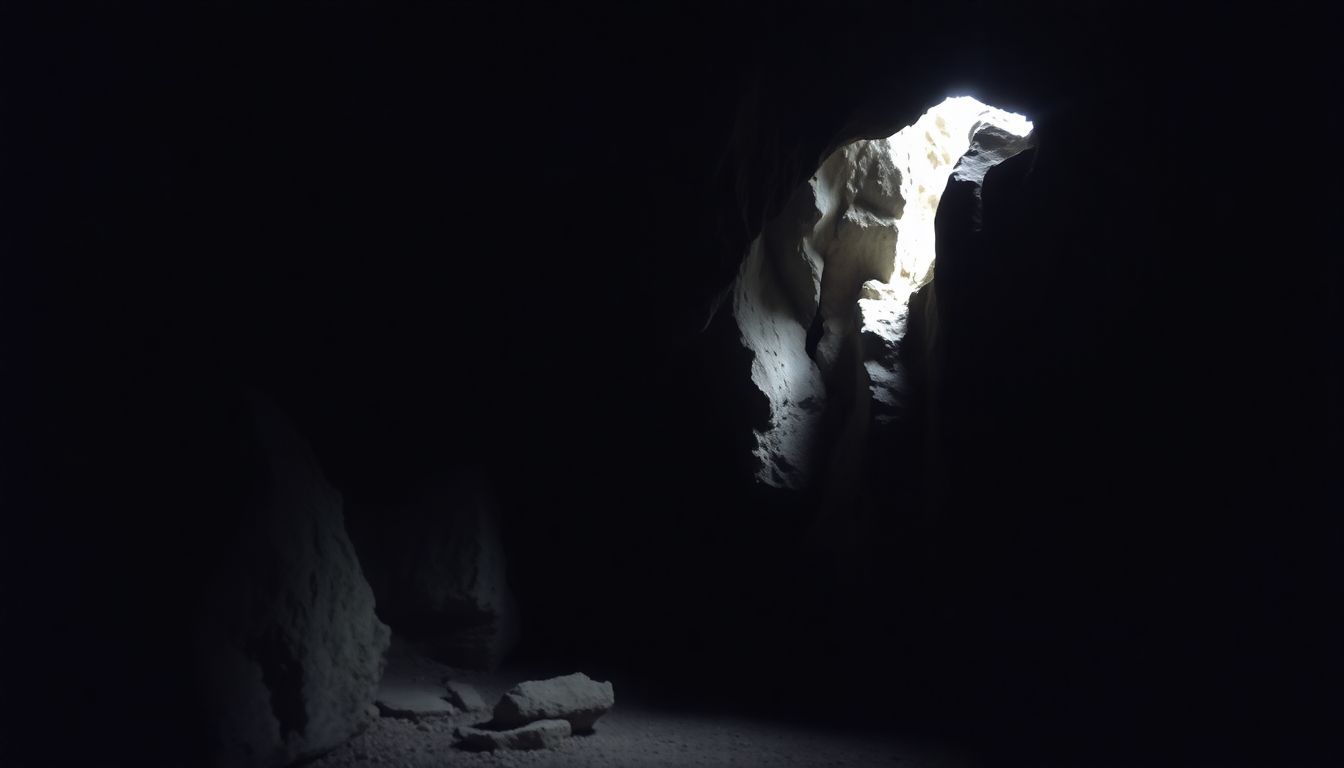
(338, 332)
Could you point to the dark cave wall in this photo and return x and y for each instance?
(1074, 564)
(435, 558)
(1099, 549)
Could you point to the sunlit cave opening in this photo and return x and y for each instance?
(925, 153)
(831, 277)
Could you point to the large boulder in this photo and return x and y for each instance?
(293, 651)
(436, 562)
(576, 698)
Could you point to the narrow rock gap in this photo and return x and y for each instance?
(849, 250)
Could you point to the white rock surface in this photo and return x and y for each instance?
(781, 370)
(856, 235)
(991, 144)
(884, 313)
(960, 135)
(576, 698)
(542, 734)
(992, 137)
(853, 245)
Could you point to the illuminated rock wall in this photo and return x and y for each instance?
(828, 282)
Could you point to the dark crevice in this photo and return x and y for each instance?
(283, 676)
(815, 332)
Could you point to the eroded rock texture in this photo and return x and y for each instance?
(771, 327)
(436, 563)
(822, 297)
(884, 306)
(294, 651)
(576, 698)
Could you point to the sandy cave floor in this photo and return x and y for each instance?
(632, 734)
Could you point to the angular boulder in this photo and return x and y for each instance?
(576, 698)
(292, 651)
(542, 734)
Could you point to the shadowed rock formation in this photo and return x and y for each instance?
(436, 563)
(292, 649)
(576, 698)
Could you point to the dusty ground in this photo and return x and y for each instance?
(632, 735)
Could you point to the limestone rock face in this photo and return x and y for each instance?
(856, 235)
(991, 144)
(436, 562)
(781, 369)
(576, 698)
(542, 734)
(295, 651)
(884, 315)
(821, 299)
(835, 232)
(993, 137)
